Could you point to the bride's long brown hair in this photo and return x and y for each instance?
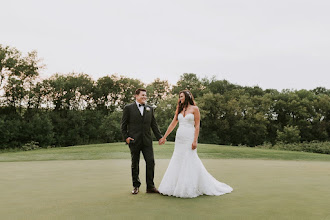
(189, 98)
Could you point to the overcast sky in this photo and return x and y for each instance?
(274, 44)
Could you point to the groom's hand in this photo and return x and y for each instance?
(129, 140)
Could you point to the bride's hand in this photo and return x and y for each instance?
(161, 141)
(194, 145)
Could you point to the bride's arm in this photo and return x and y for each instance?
(197, 125)
(172, 125)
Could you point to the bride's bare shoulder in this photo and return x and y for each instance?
(195, 108)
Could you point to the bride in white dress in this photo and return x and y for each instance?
(186, 176)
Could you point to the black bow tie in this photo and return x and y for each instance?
(141, 105)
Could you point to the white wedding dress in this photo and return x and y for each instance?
(186, 176)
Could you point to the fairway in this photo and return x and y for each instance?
(100, 189)
(121, 151)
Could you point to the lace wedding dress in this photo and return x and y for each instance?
(186, 176)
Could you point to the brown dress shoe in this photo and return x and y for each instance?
(135, 190)
(152, 190)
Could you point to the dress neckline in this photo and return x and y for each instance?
(186, 114)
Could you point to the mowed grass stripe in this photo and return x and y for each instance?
(121, 151)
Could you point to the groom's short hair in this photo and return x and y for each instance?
(137, 92)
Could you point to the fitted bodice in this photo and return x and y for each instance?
(188, 120)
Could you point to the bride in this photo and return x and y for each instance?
(186, 176)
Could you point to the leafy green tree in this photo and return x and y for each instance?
(72, 91)
(14, 92)
(254, 91)
(105, 93)
(11, 130)
(127, 87)
(91, 129)
(164, 113)
(220, 86)
(39, 128)
(321, 90)
(191, 82)
(9, 58)
(17, 75)
(321, 121)
(72, 109)
(215, 127)
(290, 134)
(110, 127)
(157, 91)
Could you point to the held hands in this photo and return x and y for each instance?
(128, 140)
(162, 141)
(194, 145)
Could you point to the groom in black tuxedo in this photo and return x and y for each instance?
(136, 122)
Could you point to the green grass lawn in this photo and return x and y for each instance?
(94, 182)
(121, 151)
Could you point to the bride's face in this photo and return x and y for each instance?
(181, 97)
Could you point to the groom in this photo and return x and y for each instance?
(136, 122)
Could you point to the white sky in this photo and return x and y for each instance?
(274, 44)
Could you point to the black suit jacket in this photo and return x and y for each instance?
(138, 127)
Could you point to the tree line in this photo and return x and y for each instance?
(72, 109)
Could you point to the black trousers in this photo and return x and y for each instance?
(148, 154)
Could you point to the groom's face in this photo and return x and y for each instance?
(141, 97)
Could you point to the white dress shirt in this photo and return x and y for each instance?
(141, 108)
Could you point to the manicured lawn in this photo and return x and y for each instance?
(94, 182)
(100, 189)
(121, 151)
